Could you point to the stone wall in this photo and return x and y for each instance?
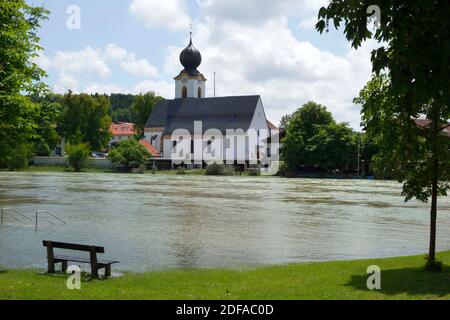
(64, 162)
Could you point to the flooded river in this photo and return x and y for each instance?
(156, 222)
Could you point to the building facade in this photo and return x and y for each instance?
(193, 129)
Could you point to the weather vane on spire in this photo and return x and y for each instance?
(190, 27)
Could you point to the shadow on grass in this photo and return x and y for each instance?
(411, 281)
(85, 277)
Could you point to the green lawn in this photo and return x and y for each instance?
(402, 278)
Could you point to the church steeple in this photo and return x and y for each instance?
(190, 83)
(191, 59)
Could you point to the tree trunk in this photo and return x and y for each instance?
(435, 127)
(432, 253)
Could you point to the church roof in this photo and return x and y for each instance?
(216, 113)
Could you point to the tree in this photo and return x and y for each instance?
(78, 155)
(129, 154)
(141, 110)
(19, 75)
(121, 107)
(333, 147)
(284, 122)
(85, 119)
(414, 50)
(46, 117)
(303, 125)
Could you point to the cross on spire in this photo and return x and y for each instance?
(190, 28)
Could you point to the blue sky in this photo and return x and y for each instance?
(271, 49)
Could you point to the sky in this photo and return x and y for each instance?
(269, 48)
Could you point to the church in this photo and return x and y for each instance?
(193, 130)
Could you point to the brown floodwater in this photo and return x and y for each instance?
(156, 222)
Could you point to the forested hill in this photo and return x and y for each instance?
(121, 107)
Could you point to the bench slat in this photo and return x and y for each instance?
(82, 260)
(72, 246)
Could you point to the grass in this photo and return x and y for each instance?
(402, 278)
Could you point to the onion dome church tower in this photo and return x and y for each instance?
(190, 83)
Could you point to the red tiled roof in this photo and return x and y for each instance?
(424, 123)
(122, 129)
(151, 149)
(271, 125)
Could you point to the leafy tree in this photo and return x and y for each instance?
(19, 157)
(121, 107)
(78, 155)
(414, 50)
(122, 115)
(46, 117)
(333, 147)
(142, 108)
(85, 119)
(284, 122)
(19, 75)
(129, 154)
(303, 125)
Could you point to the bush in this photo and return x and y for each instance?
(19, 158)
(129, 155)
(181, 170)
(78, 156)
(140, 169)
(254, 172)
(219, 170)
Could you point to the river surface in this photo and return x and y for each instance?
(158, 222)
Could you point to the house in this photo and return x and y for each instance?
(121, 132)
(194, 130)
(425, 123)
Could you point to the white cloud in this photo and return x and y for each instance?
(129, 62)
(257, 11)
(162, 88)
(89, 65)
(308, 22)
(42, 61)
(88, 61)
(168, 14)
(65, 82)
(268, 59)
(101, 88)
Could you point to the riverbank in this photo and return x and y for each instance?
(60, 169)
(401, 278)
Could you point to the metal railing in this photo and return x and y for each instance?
(17, 212)
(62, 222)
(37, 217)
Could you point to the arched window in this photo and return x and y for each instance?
(199, 92)
(184, 93)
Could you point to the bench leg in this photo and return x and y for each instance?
(63, 266)
(108, 271)
(51, 267)
(94, 272)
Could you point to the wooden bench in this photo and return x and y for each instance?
(63, 259)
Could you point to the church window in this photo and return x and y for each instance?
(199, 92)
(228, 143)
(184, 93)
